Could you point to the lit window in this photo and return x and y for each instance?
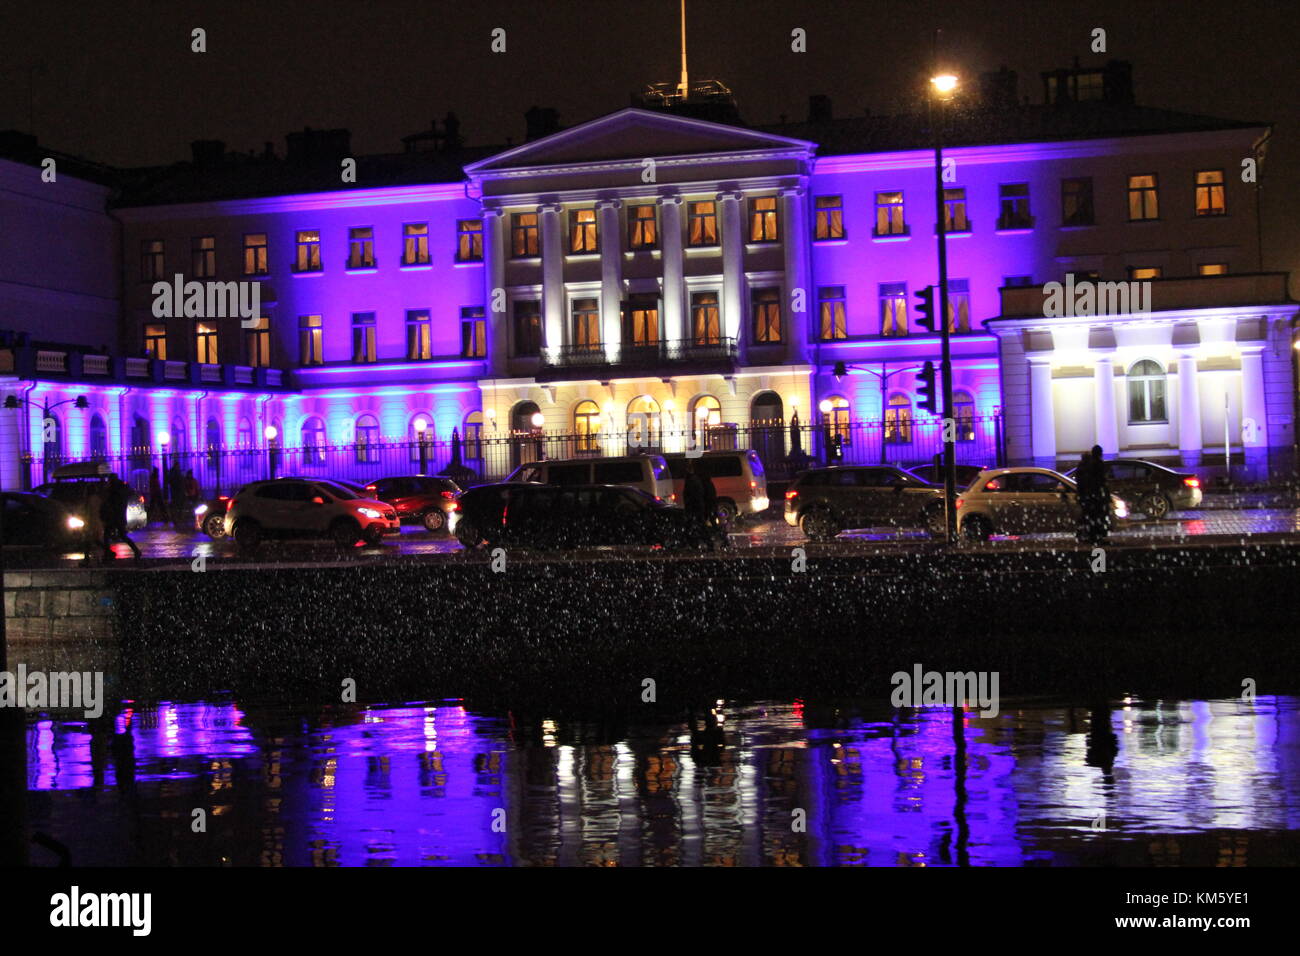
(832, 313)
(255, 254)
(898, 420)
(313, 441)
(473, 437)
(893, 308)
(958, 305)
(205, 343)
(1209, 193)
(763, 225)
(702, 220)
(1212, 269)
(419, 335)
(155, 341)
(308, 260)
(582, 231)
(415, 244)
(469, 240)
(361, 247)
(706, 326)
(641, 320)
(889, 214)
(310, 343)
(363, 337)
(830, 217)
(1143, 199)
(642, 231)
(766, 305)
(367, 445)
(1144, 272)
(586, 427)
(586, 324)
(963, 408)
(954, 211)
(523, 235)
(257, 343)
(838, 419)
(203, 256)
(473, 333)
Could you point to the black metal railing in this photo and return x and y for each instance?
(783, 448)
(641, 354)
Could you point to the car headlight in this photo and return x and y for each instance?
(370, 512)
(201, 510)
(75, 523)
(1121, 509)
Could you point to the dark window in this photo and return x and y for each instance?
(617, 472)
(152, 264)
(528, 327)
(203, 255)
(1076, 202)
(1014, 200)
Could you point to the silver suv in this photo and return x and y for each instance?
(307, 508)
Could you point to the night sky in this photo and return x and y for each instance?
(116, 82)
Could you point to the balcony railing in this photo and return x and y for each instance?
(720, 352)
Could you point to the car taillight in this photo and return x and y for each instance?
(448, 494)
(233, 502)
(672, 497)
(792, 493)
(223, 497)
(960, 502)
(504, 511)
(370, 487)
(1192, 482)
(455, 506)
(753, 485)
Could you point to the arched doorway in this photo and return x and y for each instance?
(526, 443)
(644, 434)
(767, 427)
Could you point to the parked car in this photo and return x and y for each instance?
(934, 474)
(567, 516)
(210, 516)
(307, 508)
(737, 476)
(72, 485)
(823, 502)
(649, 473)
(1022, 501)
(424, 498)
(35, 521)
(1152, 489)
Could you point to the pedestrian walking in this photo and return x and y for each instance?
(92, 530)
(113, 516)
(695, 503)
(157, 502)
(1094, 497)
(176, 493)
(192, 492)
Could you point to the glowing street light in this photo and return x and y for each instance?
(538, 420)
(420, 426)
(270, 432)
(944, 84)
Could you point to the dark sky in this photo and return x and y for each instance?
(117, 81)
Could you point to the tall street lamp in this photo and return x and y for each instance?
(270, 432)
(943, 86)
(884, 375)
(420, 427)
(537, 421)
(13, 401)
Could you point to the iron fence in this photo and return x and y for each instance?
(784, 448)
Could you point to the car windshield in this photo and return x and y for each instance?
(337, 490)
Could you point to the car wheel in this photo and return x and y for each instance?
(214, 526)
(818, 524)
(468, 534)
(345, 532)
(726, 512)
(373, 535)
(1155, 505)
(248, 535)
(434, 520)
(932, 520)
(976, 528)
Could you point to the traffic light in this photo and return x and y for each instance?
(925, 309)
(928, 401)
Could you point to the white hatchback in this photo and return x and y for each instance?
(1021, 501)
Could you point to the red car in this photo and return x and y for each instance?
(426, 498)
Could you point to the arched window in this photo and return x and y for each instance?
(1146, 393)
(643, 423)
(474, 435)
(245, 434)
(212, 441)
(367, 443)
(705, 413)
(313, 441)
(180, 437)
(98, 437)
(898, 420)
(838, 418)
(963, 413)
(415, 436)
(586, 427)
(521, 418)
(767, 409)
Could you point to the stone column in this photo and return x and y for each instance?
(1106, 426)
(611, 275)
(494, 279)
(1189, 412)
(794, 239)
(553, 304)
(675, 319)
(1254, 412)
(1043, 414)
(733, 271)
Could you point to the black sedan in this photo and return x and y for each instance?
(34, 521)
(934, 474)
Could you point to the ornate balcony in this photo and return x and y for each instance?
(668, 356)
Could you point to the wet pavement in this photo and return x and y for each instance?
(1123, 782)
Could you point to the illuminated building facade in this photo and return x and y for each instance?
(707, 276)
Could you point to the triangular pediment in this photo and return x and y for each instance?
(634, 134)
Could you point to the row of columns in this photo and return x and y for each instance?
(1106, 421)
(674, 318)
